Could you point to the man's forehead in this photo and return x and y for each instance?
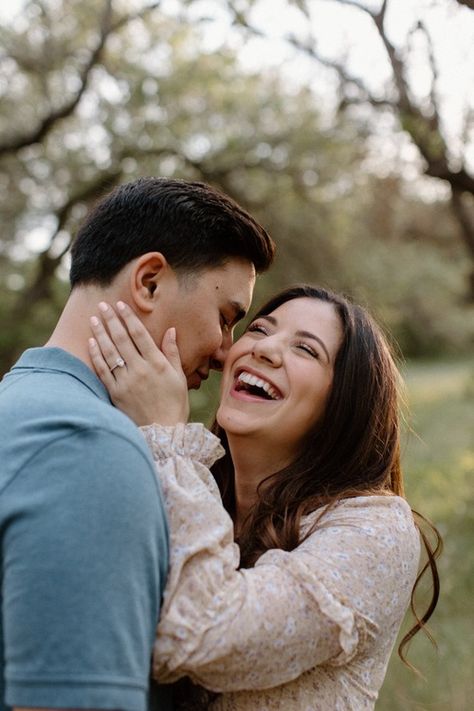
(229, 285)
(238, 267)
(237, 279)
(233, 277)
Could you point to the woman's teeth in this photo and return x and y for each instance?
(255, 382)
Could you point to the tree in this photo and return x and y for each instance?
(101, 95)
(419, 117)
(138, 96)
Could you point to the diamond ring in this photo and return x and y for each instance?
(119, 363)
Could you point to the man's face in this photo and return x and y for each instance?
(204, 310)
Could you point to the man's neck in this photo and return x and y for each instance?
(73, 328)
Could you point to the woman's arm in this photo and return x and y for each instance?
(322, 603)
(231, 629)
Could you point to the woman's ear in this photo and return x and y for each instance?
(146, 278)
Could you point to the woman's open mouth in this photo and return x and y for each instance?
(254, 388)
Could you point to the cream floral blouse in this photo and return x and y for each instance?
(309, 630)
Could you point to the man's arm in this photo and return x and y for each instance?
(85, 561)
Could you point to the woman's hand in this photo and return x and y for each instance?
(146, 383)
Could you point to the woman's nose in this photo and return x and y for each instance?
(268, 350)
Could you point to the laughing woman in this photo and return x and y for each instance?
(291, 575)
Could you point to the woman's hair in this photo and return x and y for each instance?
(353, 450)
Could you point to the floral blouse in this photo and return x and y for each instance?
(306, 630)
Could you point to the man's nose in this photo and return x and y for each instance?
(219, 356)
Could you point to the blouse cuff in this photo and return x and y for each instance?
(192, 441)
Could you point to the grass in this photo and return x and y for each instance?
(439, 467)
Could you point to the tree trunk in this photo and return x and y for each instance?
(466, 223)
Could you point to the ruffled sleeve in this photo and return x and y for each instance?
(232, 629)
(192, 441)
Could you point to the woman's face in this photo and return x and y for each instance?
(278, 375)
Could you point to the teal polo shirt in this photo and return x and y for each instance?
(84, 542)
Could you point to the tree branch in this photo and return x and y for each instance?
(38, 133)
(426, 133)
(49, 121)
(47, 262)
(353, 3)
(465, 220)
(310, 49)
(345, 77)
(434, 70)
(466, 224)
(139, 14)
(424, 130)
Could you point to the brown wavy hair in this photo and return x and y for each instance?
(353, 451)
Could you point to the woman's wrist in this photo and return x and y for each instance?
(191, 440)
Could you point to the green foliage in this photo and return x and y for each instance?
(402, 262)
(20, 330)
(158, 101)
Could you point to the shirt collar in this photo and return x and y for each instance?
(56, 359)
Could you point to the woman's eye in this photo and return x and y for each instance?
(308, 349)
(257, 328)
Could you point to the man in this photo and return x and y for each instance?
(84, 537)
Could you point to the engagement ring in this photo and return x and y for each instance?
(119, 363)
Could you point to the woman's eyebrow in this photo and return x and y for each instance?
(302, 334)
(308, 334)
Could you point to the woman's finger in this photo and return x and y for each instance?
(112, 356)
(100, 364)
(138, 333)
(170, 349)
(118, 335)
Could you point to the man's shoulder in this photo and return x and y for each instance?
(53, 414)
(52, 399)
(69, 453)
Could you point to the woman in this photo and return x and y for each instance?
(303, 612)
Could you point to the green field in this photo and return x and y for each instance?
(439, 474)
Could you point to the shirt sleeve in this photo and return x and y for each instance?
(231, 629)
(84, 567)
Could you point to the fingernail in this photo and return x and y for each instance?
(173, 334)
(94, 321)
(120, 305)
(103, 306)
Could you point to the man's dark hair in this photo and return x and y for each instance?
(193, 225)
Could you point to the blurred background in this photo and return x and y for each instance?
(346, 127)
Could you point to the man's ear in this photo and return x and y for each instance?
(146, 278)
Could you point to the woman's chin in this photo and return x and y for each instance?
(235, 422)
